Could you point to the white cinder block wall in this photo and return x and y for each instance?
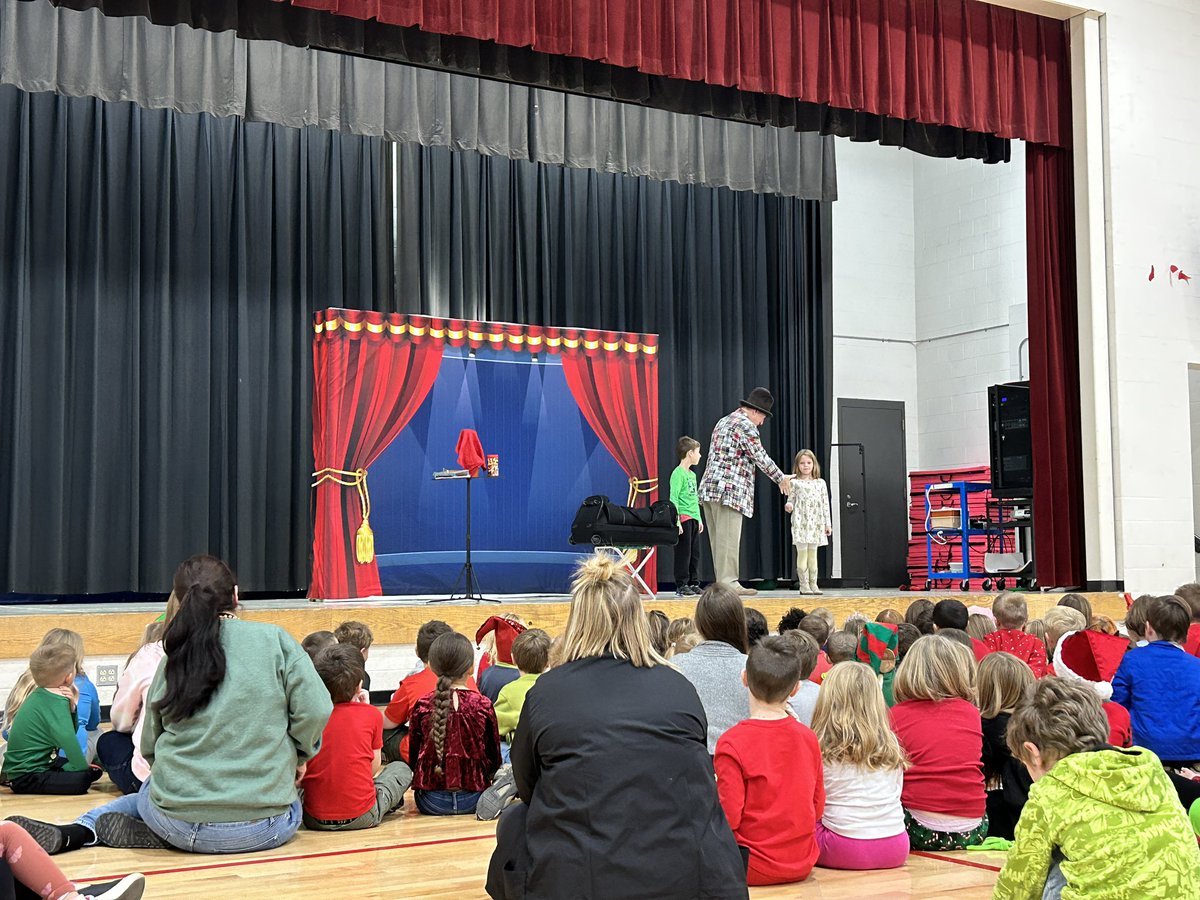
(970, 298)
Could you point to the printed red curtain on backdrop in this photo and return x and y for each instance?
(964, 63)
(613, 376)
(371, 372)
(1054, 367)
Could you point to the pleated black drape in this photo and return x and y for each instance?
(158, 272)
(736, 284)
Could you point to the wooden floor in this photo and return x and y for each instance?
(415, 856)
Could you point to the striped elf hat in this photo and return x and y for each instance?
(876, 640)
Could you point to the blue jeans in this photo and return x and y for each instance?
(215, 837)
(447, 803)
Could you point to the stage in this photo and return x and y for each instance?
(115, 628)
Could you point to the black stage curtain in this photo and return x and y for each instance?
(158, 272)
(284, 23)
(736, 284)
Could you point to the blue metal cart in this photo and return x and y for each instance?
(941, 535)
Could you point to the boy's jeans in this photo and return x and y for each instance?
(216, 837)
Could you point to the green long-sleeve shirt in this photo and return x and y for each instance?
(44, 723)
(235, 760)
(509, 703)
(683, 492)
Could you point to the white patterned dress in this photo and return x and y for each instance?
(810, 511)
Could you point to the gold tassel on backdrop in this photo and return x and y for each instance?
(364, 538)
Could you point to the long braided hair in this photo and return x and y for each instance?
(450, 658)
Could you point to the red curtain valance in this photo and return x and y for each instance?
(963, 63)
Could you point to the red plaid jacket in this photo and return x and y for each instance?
(732, 455)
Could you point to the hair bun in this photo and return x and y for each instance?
(597, 569)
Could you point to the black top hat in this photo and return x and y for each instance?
(760, 398)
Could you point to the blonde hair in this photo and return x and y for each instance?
(1058, 621)
(50, 664)
(685, 644)
(25, 683)
(606, 616)
(1004, 683)
(851, 720)
(816, 472)
(681, 636)
(979, 626)
(1011, 611)
(935, 668)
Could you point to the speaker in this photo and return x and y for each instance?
(1011, 440)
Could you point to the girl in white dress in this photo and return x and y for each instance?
(812, 523)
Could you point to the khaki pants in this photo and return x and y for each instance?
(724, 527)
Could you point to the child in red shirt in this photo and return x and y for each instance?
(939, 727)
(769, 776)
(346, 785)
(1011, 614)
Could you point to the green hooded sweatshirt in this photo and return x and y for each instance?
(1116, 820)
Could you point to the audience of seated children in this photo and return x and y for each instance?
(119, 749)
(1004, 684)
(863, 823)
(454, 748)
(1100, 821)
(877, 648)
(1011, 615)
(411, 689)
(818, 629)
(531, 652)
(939, 728)
(951, 613)
(27, 872)
(46, 723)
(1160, 686)
(805, 699)
(87, 710)
(769, 775)
(1190, 595)
(346, 785)
(979, 626)
(756, 626)
(496, 668)
(715, 665)
(659, 624)
(920, 614)
(317, 641)
(1094, 658)
(1060, 620)
(358, 635)
(841, 647)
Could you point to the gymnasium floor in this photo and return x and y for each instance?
(415, 856)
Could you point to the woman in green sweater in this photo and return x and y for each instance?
(234, 713)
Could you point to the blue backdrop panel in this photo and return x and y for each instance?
(550, 460)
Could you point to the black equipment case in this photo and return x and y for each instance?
(600, 522)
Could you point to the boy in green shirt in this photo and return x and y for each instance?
(691, 526)
(1100, 823)
(45, 723)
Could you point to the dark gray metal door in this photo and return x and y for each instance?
(873, 508)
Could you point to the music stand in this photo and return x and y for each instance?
(471, 585)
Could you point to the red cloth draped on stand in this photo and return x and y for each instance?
(371, 373)
(614, 379)
(1054, 367)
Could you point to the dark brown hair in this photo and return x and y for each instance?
(920, 613)
(684, 446)
(450, 657)
(816, 627)
(660, 626)
(317, 641)
(756, 626)
(772, 669)
(906, 636)
(427, 634)
(356, 634)
(341, 668)
(791, 619)
(531, 651)
(950, 613)
(1169, 617)
(1190, 594)
(806, 648)
(720, 616)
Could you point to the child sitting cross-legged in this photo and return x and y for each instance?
(454, 746)
(863, 824)
(1100, 822)
(45, 723)
(346, 785)
(768, 768)
(939, 729)
(531, 653)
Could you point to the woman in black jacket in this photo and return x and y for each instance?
(611, 762)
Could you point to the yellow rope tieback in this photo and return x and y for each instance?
(364, 538)
(640, 486)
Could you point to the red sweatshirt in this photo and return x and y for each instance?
(772, 788)
(944, 742)
(1025, 647)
